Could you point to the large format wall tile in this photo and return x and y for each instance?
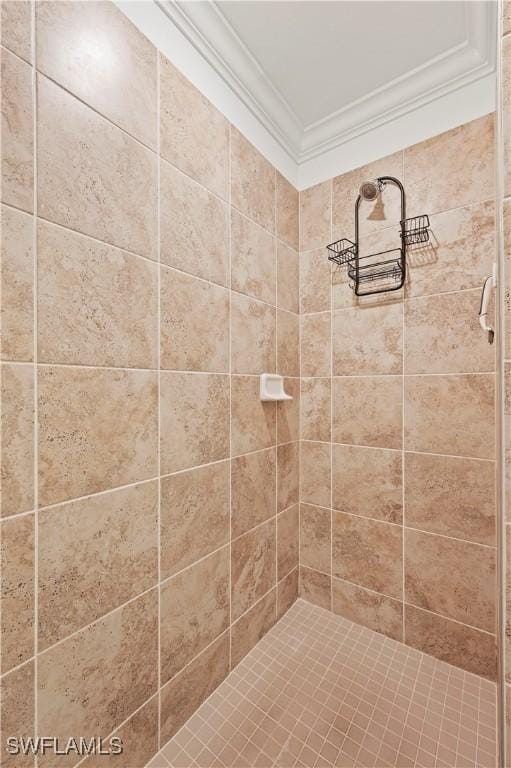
(253, 336)
(368, 553)
(89, 684)
(17, 285)
(97, 430)
(288, 413)
(315, 474)
(452, 642)
(97, 305)
(288, 278)
(288, 475)
(194, 135)
(453, 578)
(17, 389)
(287, 592)
(287, 212)
(288, 343)
(253, 259)
(251, 627)
(315, 345)
(443, 335)
(367, 482)
(253, 567)
(506, 112)
(450, 415)
(253, 423)
(194, 609)
(252, 182)
(315, 537)
(96, 53)
(253, 484)
(315, 409)
(287, 541)
(139, 737)
(194, 324)
(17, 711)
(194, 420)
(367, 410)
(315, 208)
(315, 281)
(368, 340)
(114, 198)
(194, 515)
(471, 144)
(379, 613)
(16, 27)
(94, 555)
(315, 587)
(194, 227)
(17, 537)
(452, 496)
(17, 133)
(187, 690)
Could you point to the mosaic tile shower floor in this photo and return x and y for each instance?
(318, 690)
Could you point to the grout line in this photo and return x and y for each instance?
(407, 450)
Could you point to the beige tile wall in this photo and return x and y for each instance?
(397, 513)
(150, 274)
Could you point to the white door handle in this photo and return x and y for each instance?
(488, 285)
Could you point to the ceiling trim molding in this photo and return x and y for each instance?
(206, 28)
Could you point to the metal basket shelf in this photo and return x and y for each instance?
(415, 230)
(388, 269)
(342, 252)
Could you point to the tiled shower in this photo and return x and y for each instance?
(216, 580)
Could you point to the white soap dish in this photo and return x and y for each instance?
(272, 388)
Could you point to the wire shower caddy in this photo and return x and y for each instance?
(383, 271)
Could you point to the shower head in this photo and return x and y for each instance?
(369, 190)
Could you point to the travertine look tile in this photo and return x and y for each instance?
(194, 227)
(315, 208)
(315, 537)
(315, 473)
(453, 578)
(367, 553)
(252, 182)
(315, 587)
(287, 212)
(288, 475)
(452, 496)
(459, 254)
(367, 482)
(139, 737)
(253, 423)
(372, 216)
(380, 613)
(253, 337)
(194, 515)
(288, 343)
(253, 483)
(17, 438)
(443, 335)
(194, 609)
(253, 567)
(450, 415)
(288, 413)
(315, 409)
(17, 591)
(94, 555)
(288, 278)
(194, 420)
(97, 430)
(315, 281)
(186, 692)
(253, 259)
(194, 135)
(17, 133)
(97, 305)
(471, 144)
(194, 323)
(287, 541)
(287, 592)
(16, 27)
(117, 77)
(367, 410)
(315, 345)
(452, 642)
(115, 200)
(506, 111)
(17, 285)
(251, 627)
(89, 684)
(17, 711)
(368, 340)
(506, 18)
